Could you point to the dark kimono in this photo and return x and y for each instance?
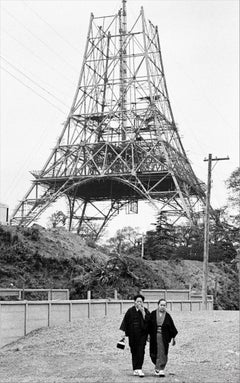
(136, 329)
(169, 332)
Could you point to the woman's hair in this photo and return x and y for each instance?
(162, 299)
(138, 296)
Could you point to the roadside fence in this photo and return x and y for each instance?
(18, 318)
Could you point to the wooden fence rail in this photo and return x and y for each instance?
(50, 294)
(18, 318)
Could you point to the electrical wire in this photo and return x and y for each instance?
(15, 77)
(50, 26)
(27, 86)
(39, 39)
(34, 82)
(68, 79)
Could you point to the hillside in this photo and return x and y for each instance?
(39, 258)
(45, 242)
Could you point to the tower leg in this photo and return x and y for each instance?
(87, 217)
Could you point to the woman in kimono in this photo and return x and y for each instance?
(135, 327)
(162, 330)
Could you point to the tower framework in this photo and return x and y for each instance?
(120, 143)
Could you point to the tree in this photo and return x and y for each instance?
(161, 244)
(57, 219)
(90, 233)
(233, 207)
(231, 213)
(186, 242)
(125, 241)
(189, 242)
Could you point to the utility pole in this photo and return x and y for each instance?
(206, 229)
(142, 247)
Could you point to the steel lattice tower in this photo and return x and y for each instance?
(120, 143)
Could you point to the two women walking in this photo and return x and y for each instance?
(138, 324)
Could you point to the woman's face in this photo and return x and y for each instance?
(162, 306)
(139, 302)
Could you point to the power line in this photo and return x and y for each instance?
(50, 26)
(39, 142)
(56, 107)
(26, 160)
(33, 81)
(38, 57)
(39, 39)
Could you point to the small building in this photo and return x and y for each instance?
(4, 214)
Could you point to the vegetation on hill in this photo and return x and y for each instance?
(27, 262)
(36, 257)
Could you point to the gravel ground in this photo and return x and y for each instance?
(207, 350)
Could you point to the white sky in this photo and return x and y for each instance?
(42, 45)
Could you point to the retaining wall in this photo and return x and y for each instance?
(19, 318)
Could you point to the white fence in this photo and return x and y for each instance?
(18, 318)
(51, 294)
(167, 294)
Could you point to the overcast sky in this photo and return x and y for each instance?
(42, 44)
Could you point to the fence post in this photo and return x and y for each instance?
(89, 310)
(89, 294)
(121, 307)
(49, 313)
(25, 318)
(23, 294)
(70, 311)
(115, 294)
(106, 308)
(189, 291)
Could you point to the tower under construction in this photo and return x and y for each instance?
(120, 143)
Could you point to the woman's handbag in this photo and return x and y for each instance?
(121, 344)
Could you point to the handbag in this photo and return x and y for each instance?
(121, 344)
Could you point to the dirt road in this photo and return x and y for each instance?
(207, 350)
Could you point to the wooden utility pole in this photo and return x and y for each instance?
(206, 235)
(142, 250)
(206, 230)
